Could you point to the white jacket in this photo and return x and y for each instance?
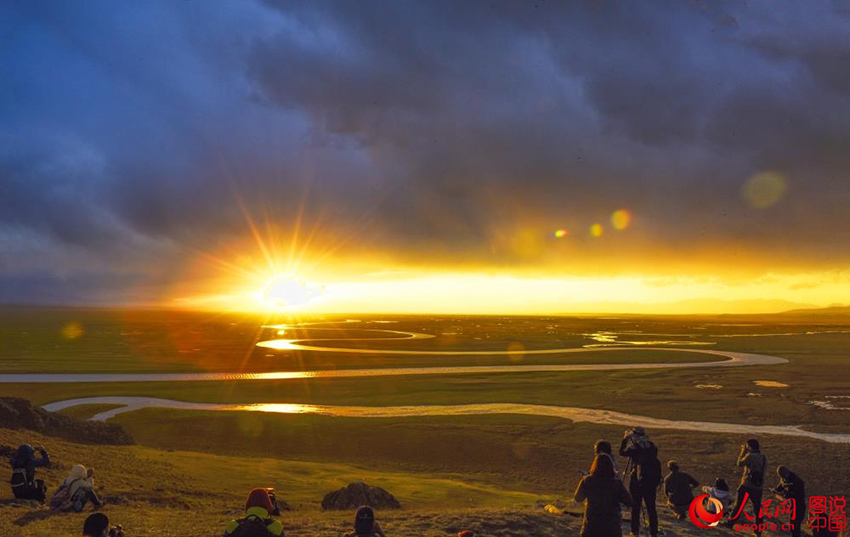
(724, 496)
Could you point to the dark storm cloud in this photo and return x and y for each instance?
(428, 130)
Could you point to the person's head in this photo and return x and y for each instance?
(259, 498)
(783, 472)
(637, 435)
(673, 465)
(78, 471)
(721, 484)
(602, 466)
(752, 445)
(602, 446)
(96, 525)
(24, 454)
(364, 521)
(466, 533)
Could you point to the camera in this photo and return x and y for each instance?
(116, 531)
(272, 497)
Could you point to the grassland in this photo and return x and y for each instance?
(528, 457)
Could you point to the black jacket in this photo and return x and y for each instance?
(646, 468)
(25, 460)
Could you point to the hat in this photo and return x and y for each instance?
(259, 498)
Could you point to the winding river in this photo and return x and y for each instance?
(607, 417)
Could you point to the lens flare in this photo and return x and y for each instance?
(561, 233)
(72, 330)
(765, 189)
(596, 230)
(621, 219)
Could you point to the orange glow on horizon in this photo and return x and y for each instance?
(296, 271)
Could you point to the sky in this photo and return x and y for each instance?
(477, 156)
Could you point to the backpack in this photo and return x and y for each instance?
(253, 526)
(59, 497)
(650, 472)
(649, 467)
(19, 478)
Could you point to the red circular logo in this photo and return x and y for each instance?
(700, 516)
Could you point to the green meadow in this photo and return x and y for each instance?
(438, 463)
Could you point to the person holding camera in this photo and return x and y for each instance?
(791, 487)
(754, 464)
(76, 491)
(24, 484)
(644, 471)
(97, 525)
(260, 507)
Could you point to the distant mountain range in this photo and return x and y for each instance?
(783, 309)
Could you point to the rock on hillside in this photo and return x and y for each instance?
(356, 494)
(16, 413)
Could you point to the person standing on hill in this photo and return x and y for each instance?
(603, 493)
(678, 486)
(644, 476)
(24, 484)
(754, 464)
(365, 524)
(258, 521)
(791, 487)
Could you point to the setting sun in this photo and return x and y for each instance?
(285, 292)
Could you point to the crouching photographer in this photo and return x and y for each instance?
(791, 487)
(97, 525)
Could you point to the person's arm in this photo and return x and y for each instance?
(378, 530)
(743, 457)
(580, 494)
(623, 451)
(667, 490)
(694, 483)
(44, 460)
(625, 497)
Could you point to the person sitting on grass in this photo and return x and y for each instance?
(679, 487)
(258, 521)
(76, 491)
(97, 525)
(365, 524)
(720, 492)
(24, 484)
(603, 493)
